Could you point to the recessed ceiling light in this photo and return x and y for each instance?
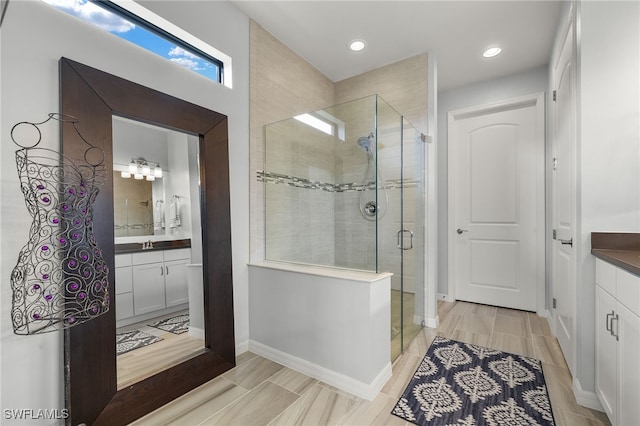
(491, 52)
(357, 45)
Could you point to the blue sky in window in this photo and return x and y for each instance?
(94, 14)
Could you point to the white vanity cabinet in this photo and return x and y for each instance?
(618, 343)
(124, 286)
(160, 279)
(150, 281)
(175, 277)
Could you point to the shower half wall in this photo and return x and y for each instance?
(344, 188)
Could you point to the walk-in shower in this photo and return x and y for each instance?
(344, 187)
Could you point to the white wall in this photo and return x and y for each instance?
(608, 147)
(524, 83)
(331, 325)
(134, 140)
(34, 36)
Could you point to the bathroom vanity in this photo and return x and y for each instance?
(151, 281)
(618, 325)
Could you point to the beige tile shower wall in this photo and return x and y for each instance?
(282, 85)
(403, 85)
(297, 219)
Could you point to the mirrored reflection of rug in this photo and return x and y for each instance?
(462, 384)
(176, 325)
(129, 340)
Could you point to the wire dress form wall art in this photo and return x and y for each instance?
(60, 279)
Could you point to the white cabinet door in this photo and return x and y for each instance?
(628, 330)
(124, 280)
(606, 354)
(175, 281)
(124, 292)
(148, 291)
(124, 306)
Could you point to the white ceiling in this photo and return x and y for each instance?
(456, 31)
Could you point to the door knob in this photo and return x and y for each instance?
(460, 231)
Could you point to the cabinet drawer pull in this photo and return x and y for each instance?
(615, 333)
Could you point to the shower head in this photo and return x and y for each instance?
(365, 142)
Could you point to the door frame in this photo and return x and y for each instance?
(538, 101)
(568, 28)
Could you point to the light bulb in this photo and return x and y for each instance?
(146, 170)
(133, 167)
(491, 52)
(357, 45)
(138, 176)
(151, 178)
(157, 171)
(125, 175)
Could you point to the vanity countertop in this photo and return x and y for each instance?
(620, 249)
(157, 245)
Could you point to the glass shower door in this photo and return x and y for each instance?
(411, 235)
(400, 156)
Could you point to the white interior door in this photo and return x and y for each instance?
(497, 212)
(563, 198)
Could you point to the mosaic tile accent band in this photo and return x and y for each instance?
(276, 178)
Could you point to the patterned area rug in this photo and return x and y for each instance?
(176, 325)
(462, 384)
(133, 339)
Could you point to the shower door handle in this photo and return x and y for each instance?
(399, 236)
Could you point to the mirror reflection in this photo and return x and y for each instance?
(138, 205)
(159, 289)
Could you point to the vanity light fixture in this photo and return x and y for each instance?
(491, 52)
(140, 168)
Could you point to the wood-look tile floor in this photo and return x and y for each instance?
(261, 392)
(144, 362)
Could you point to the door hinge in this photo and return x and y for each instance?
(555, 96)
(555, 234)
(555, 303)
(554, 163)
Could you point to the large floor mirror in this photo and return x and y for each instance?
(162, 220)
(158, 249)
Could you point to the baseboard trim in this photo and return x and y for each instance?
(196, 332)
(445, 297)
(330, 377)
(242, 347)
(432, 322)
(586, 399)
(550, 322)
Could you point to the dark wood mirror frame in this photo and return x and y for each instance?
(91, 393)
